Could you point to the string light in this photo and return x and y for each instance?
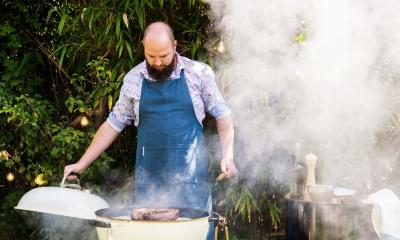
(10, 177)
(221, 47)
(84, 121)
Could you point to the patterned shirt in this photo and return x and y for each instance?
(202, 88)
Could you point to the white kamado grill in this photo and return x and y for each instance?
(116, 223)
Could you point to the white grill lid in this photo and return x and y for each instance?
(62, 201)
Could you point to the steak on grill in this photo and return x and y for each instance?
(162, 214)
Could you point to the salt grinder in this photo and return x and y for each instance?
(310, 161)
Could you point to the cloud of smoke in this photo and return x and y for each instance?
(319, 73)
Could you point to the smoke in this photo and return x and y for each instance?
(319, 74)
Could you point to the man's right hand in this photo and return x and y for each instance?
(76, 168)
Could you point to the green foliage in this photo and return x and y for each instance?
(67, 61)
(64, 60)
(250, 204)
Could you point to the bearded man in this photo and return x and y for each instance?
(167, 97)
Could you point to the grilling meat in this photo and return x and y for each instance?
(154, 214)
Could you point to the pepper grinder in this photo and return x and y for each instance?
(310, 161)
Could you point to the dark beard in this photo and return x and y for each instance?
(163, 74)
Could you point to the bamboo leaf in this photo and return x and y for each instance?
(120, 76)
(129, 50)
(62, 56)
(120, 50)
(238, 202)
(76, 50)
(110, 102)
(109, 24)
(53, 9)
(83, 14)
(126, 21)
(243, 205)
(140, 15)
(118, 26)
(149, 3)
(91, 19)
(120, 42)
(249, 211)
(274, 212)
(57, 50)
(161, 3)
(61, 24)
(97, 15)
(74, 23)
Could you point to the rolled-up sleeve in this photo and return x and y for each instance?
(122, 113)
(214, 103)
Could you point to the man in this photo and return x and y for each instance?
(167, 97)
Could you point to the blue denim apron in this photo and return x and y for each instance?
(171, 158)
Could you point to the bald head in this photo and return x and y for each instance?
(159, 29)
(158, 40)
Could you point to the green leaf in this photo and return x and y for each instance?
(140, 15)
(129, 50)
(53, 9)
(109, 24)
(126, 20)
(118, 26)
(91, 19)
(61, 24)
(62, 56)
(120, 50)
(161, 3)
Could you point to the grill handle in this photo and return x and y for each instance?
(216, 217)
(70, 185)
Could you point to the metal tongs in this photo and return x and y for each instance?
(221, 224)
(221, 176)
(76, 185)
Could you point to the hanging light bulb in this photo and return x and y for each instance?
(221, 47)
(10, 177)
(84, 121)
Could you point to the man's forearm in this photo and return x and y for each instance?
(103, 138)
(226, 136)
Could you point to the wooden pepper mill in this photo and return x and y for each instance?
(311, 162)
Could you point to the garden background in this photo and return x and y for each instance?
(62, 65)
